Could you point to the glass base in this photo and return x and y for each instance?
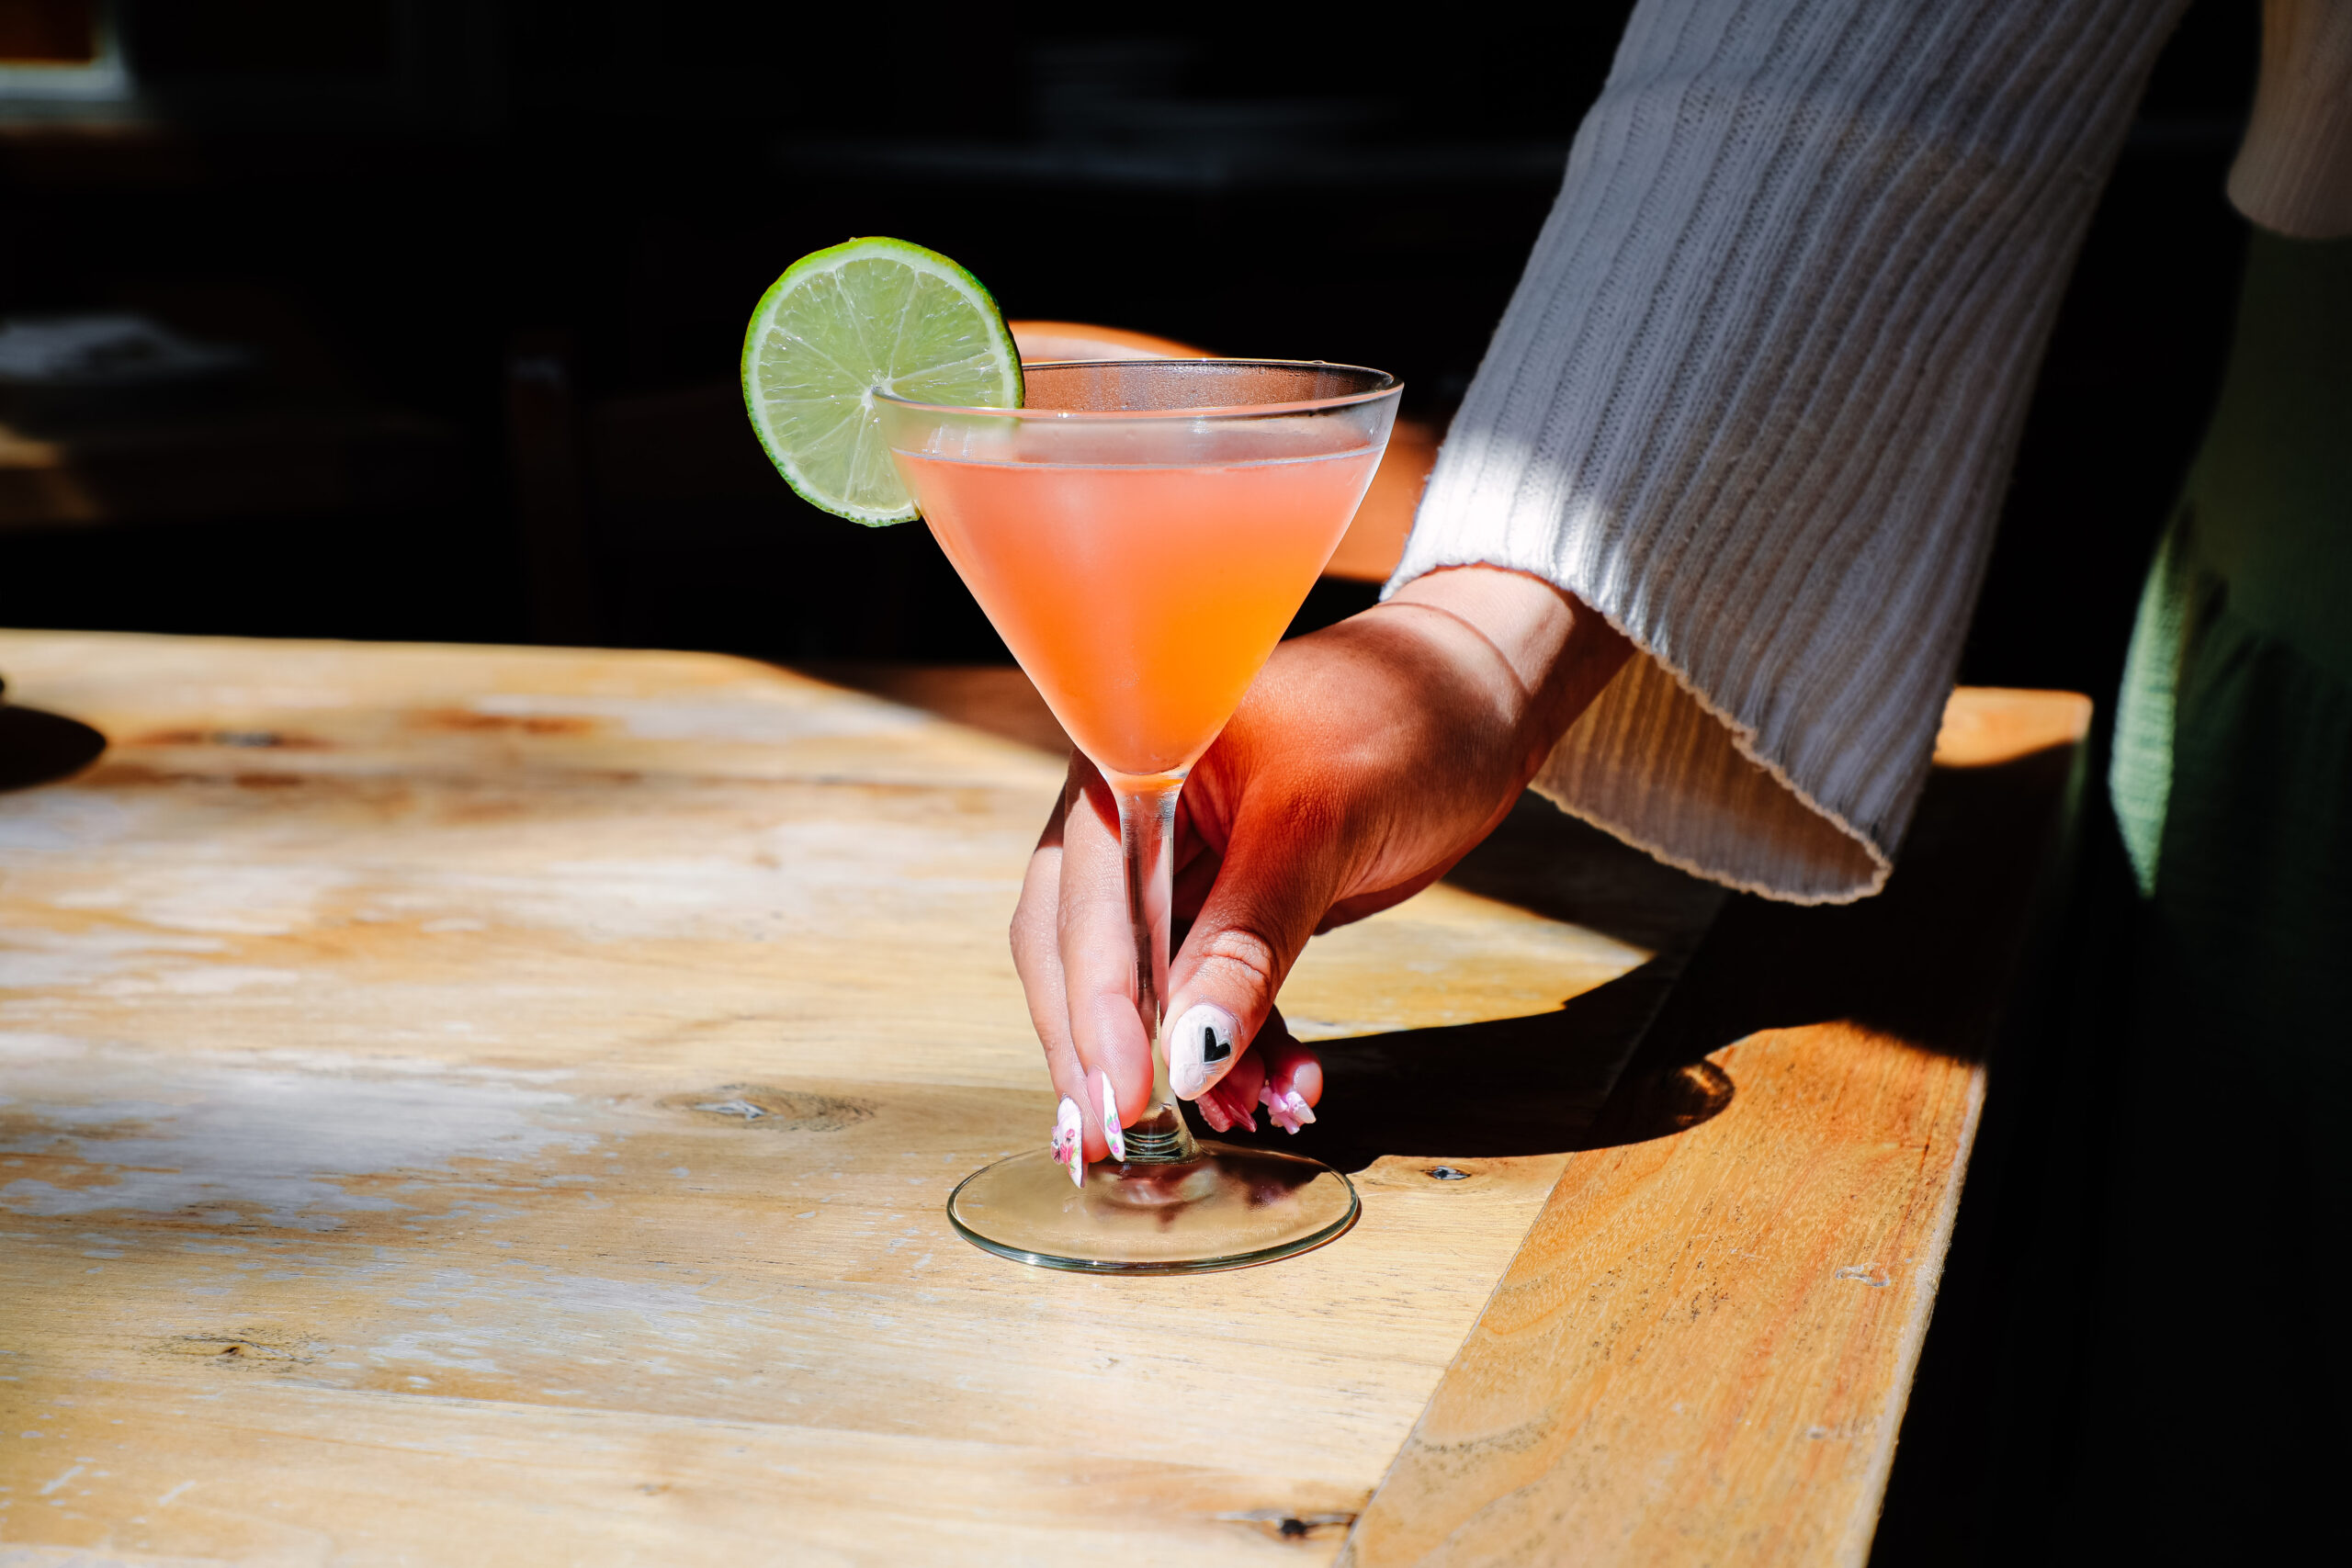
(1229, 1208)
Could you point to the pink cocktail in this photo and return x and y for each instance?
(1143, 600)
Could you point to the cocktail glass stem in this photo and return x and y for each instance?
(1147, 831)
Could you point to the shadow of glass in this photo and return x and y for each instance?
(1519, 1086)
(38, 748)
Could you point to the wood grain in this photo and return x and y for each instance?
(495, 1105)
(1701, 1352)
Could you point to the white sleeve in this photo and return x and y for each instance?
(1757, 394)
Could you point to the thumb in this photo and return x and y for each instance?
(1270, 892)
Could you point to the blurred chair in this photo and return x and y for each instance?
(544, 442)
(1375, 540)
(119, 416)
(655, 519)
(1040, 341)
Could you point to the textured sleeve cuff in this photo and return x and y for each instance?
(1756, 395)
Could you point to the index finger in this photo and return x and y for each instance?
(1096, 941)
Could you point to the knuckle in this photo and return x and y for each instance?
(1242, 959)
(1032, 921)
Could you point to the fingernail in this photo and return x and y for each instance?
(1069, 1142)
(1214, 1115)
(1237, 1113)
(1278, 1107)
(1298, 1106)
(1112, 1132)
(1202, 1048)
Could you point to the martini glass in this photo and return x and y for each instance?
(1141, 534)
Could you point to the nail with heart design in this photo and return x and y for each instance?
(1202, 1048)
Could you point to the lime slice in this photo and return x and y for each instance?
(843, 322)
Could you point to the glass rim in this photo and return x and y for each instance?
(1388, 386)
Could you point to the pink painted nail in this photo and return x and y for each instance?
(1112, 1132)
(1070, 1141)
(1213, 1114)
(1238, 1114)
(1278, 1109)
(1298, 1106)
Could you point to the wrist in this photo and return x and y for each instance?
(1524, 620)
(1549, 654)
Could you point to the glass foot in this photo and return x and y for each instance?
(1228, 1208)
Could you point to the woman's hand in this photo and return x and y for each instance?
(1366, 759)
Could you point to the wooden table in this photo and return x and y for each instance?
(495, 1106)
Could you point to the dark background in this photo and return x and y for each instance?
(426, 213)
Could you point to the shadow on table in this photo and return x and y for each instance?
(39, 748)
(1521, 1086)
(1927, 964)
(1932, 960)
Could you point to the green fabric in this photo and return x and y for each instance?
(2256, 568)
(2215, 1362)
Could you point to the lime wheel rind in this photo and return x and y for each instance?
(840, 323)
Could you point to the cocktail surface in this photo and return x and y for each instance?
(1144, 598)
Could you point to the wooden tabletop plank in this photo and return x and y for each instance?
(1701, 1352)
(506, 1097)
